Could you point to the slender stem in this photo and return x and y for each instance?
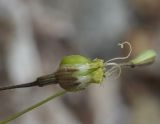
(19, 86)
(41, 81)
(16, 115)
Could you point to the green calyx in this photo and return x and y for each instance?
(74, 59)
(86, 71)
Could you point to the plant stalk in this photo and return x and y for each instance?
(16, 115)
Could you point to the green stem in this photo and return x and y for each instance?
(16, 115)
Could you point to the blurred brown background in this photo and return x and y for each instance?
(36, 34)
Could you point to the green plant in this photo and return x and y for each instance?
(76, 72)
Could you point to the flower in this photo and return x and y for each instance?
(77, 72)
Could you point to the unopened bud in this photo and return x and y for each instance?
(144, 58)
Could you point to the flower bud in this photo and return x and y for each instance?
(77, 72)
(144, 58)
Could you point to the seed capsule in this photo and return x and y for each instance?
(77, 72)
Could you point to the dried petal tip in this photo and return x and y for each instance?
(77, 72)
(147, 57)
